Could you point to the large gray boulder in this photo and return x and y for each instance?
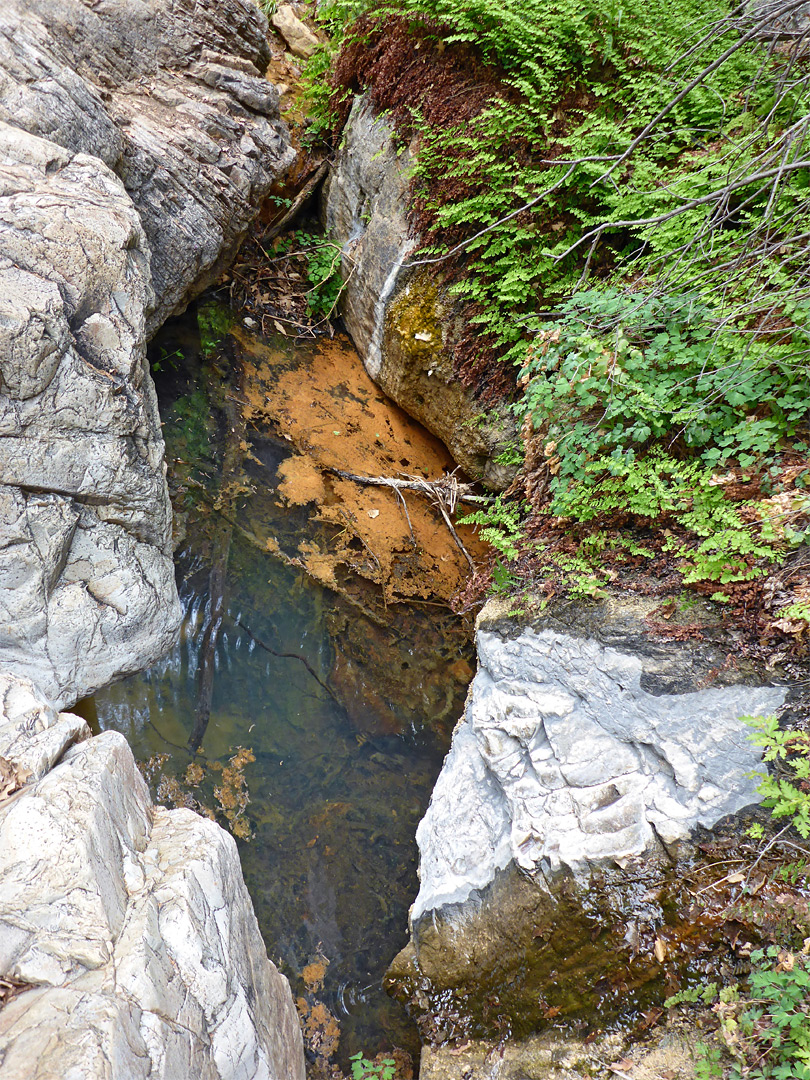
(131, 924)
(588, 758)
(170, 96)
(86, 578)
(398, 318)
(136, 140)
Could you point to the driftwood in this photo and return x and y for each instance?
(278, 227)
(444, 494)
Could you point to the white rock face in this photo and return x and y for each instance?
(563, 760)
(137, 139)
(168, 94)
(86, 576)
(132, 922)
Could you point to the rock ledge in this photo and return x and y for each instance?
(131, 923)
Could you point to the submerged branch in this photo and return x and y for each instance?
(445, 494)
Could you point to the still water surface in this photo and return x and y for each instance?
(333, 803)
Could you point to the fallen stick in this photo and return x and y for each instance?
(445, 494)
(279, 226)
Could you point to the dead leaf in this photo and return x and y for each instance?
(651, 1017)
(660, 950)
(735, 879)
(786, 961)
(623, 1065)
(12, 777)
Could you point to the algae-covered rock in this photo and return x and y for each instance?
(553, 853)
(669, 1052)
(416, 370)
(399, 318)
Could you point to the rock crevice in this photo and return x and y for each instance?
(131, 924)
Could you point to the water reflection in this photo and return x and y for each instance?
(335, 794)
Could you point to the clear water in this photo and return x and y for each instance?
(334, 804)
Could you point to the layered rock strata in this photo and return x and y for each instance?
(136, 140)
(128, 925)
(170, 96)
(398, 318)
(587, 758)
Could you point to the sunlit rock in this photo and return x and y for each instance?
(589, 758)
(131, 924)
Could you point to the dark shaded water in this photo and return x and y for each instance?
(333, 806)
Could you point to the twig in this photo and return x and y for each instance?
(283, 655)
(297, 202)
(444, 494)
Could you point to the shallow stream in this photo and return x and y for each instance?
(344, 697)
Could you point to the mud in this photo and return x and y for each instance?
(323, 403)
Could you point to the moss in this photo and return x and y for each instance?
(415, 317)
(215, 321)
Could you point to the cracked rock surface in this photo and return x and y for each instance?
(564, 761)
(590, 761)
(131, 923)
(137, 138)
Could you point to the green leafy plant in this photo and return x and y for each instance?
(786, 791)
(673, 176)
(764, 1021)
(323, 269)
(363, 1069)
(499, 525)
(768, 1029)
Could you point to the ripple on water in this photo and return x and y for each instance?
(344, 701)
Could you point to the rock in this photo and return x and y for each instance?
(560, 824)
(131, 923)
(298, 36)
(781, 22)
(136, 141)
(168, 95)
(397, 317)
(555, 1057)
(86, 576)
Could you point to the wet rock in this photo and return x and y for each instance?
(398, 318)
(555, 1057)
(136, 141)
(131, 923)
(587, 758)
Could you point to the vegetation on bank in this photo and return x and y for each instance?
(762, 1026)
(616, 194)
